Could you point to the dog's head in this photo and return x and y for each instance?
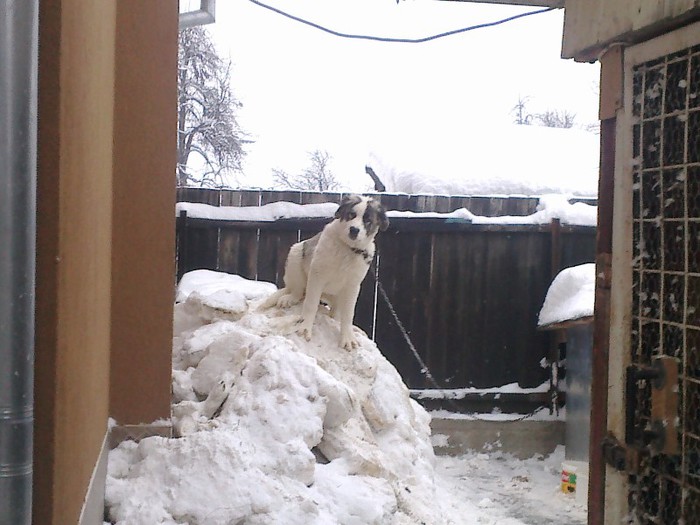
(361, 218)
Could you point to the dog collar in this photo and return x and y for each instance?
(365, 254)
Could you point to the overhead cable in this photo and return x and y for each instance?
(397, 40)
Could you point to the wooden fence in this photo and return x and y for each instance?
(468, 295)
(478, 205)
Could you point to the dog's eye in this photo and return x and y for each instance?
(352, 215)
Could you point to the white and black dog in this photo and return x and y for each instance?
(331, 266)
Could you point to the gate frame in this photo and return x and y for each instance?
(616, 483)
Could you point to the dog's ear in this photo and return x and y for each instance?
(346, 205)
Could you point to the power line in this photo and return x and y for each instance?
(397, 40)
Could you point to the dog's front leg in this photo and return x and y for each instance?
(345, 314)
(314, 289)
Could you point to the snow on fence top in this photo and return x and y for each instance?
(570, 296)
(550, 207)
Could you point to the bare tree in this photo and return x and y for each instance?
(551, 118)
(207, 125)
(317, 176)
(556, 118)
(520, 112)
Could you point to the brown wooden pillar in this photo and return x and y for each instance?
(143, 212)
(74, 224)
(610, 102)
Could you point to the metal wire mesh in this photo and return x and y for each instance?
(666, 275)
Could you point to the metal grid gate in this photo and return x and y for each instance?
(665, 487)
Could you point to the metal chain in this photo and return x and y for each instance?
(424, 367)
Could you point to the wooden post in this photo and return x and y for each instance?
(556, 337)
(181, 243)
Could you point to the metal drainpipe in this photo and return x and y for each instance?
(18, 123)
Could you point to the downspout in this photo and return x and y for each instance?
(18, 124)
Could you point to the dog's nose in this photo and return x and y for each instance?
(353, 232)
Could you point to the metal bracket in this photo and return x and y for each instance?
(206, 14)
(614, 453)
(661, 435)
(619, 456)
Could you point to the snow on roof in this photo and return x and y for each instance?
(504, 160)
(570, 296)
(549, 207)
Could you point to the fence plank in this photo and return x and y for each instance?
(200, 195)
(390, 338)
(267, 256)
(200, 247)
(364, 309)
(247, 251)
(309, 197)
(446, 338)
(229, 253)
(230, 198)
(229, 239)
(248, 254)
(250, 198)
(267, 197)
(286, 240)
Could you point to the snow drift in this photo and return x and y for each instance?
(274, 429)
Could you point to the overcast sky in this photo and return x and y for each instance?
(303, 89)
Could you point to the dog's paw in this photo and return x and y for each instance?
(216, 398)
(304, 329)
(349, 342)
(287, 300)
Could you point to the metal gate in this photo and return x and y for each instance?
(662, 389)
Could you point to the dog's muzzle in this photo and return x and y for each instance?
(353, 232)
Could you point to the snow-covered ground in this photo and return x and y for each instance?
(496, 489)
(276, 430)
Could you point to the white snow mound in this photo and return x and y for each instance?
(274, 429)
(571, 295)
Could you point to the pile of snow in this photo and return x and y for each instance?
(274, 429)
(571, 295)
(504, 160)
(208, 283)
(550, 207)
